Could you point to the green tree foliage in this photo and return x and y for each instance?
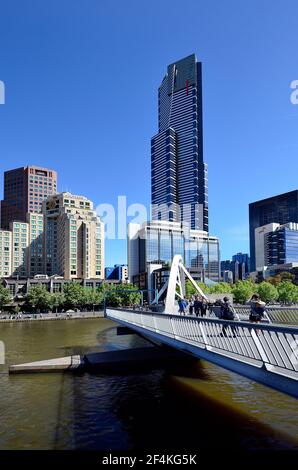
(280, 277)
(57, 300)
(4, 297)
(268, 292)
(74, 294)
(120, 295)
(242, 291)
(220, 288)
(190, 290)
(39, 298)
(287, 292)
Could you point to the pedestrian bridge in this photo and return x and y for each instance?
(266, 353)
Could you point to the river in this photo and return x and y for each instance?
(193, 405)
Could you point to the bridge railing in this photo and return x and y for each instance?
(278, 315)
(273, 347)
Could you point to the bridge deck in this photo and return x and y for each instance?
(265, 353)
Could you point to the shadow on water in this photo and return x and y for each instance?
(161, 408)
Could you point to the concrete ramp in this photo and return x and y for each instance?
(49, 365)
(102, 361)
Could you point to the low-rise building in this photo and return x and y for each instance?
(118, 272)
(152, 246)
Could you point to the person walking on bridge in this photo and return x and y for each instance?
(182, 306)
(227, 313)
(257, 310)
(197, 305)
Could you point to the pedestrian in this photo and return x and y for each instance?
(227, 313)
(191, 305)
(197, 305)
(182, 305)
(204, 306)
(257, 309)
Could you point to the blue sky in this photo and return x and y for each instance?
(81, 83)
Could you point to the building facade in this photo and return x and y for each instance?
(152, 246)
(73, 238)
(276, 244)
(35, 255)
(24, 190)
(280, 209)
(118, 272)
(179, 182)
(5, 253)
(236, 269)
(20, 249)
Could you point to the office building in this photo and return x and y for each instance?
(73, 238)
(236, 269)
(118, 272)
(178, 172)
(242, 258)
(24, 190)
(5, 253)
(280, 209)
(276, 244)
(152, 245)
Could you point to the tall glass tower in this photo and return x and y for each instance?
(179, 182)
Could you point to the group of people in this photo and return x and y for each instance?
(197, 305)
(257, 312)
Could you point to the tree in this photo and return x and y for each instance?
(220, 288)
(242, 291)
(38, 297)
(120, 295)
(91, 297)
(190, 289)
(57, 299)
(287, 292)
(268, 292)
(5, 297)
(73, 293)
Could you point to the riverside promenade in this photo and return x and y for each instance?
(27, 317)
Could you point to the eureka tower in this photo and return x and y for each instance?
(179, 182)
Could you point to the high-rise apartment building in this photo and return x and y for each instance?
(73, 237)
(35, 264)
(179, 182)
(280, 209)
(24, 191)
(5, 253)
(20, 249)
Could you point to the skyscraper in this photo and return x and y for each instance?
(178, 172)
(280, 209)
(24, 190)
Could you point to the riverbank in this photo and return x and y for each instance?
(53, 316)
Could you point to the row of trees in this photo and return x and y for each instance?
(284, 291)
(74, 296)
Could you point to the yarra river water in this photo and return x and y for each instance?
(191, 405)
